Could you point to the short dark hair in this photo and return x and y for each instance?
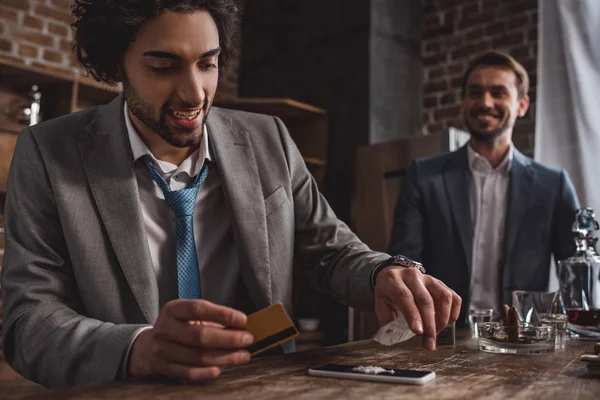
(103, 29)
(494, 58)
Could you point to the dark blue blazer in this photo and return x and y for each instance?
(432, 222)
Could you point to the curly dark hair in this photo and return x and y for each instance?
(103, 29)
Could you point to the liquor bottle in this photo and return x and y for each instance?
(35, 96)
(579, 277)
(29, 113)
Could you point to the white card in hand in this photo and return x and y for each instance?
(394, 332)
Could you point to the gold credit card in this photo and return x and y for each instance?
(270, 326)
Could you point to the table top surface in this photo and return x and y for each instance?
(462, 372)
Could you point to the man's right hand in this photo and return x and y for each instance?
(190, 342)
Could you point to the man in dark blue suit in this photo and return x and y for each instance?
(486, 219)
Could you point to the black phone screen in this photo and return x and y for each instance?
(406, 373)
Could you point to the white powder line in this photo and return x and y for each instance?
(372, 370)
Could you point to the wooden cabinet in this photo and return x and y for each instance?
(61, 92)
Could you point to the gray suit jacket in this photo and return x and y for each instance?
(432, 222)
(77, 275)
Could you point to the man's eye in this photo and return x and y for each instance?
(208, 66)
(161, 70)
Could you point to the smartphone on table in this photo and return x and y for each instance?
(371, 373)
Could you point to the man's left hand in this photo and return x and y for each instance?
(427, 304)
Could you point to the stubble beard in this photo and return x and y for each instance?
(487, 136)
(143, 111)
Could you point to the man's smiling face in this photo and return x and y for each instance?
(170, 75)
(492, 103)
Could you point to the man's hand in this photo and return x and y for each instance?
(427, 303)
(189, 342)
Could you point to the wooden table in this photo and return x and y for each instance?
(462, 372)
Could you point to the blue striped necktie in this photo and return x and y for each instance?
(182, 203)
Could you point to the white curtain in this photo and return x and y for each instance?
(568, 94)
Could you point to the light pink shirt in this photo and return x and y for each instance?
(489, 199)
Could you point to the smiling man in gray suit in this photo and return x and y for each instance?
(486, 219)
(140, 233)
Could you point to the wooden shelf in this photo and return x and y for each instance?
(59, 90)
(281, 107)
(10, 70)
(88, 95)
(90, 82)
(13, 71)
(62, 92)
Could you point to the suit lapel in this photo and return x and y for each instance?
(456, 180)
(241, 183)
(108, 163)
(519, 198)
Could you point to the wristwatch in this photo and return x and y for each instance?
(395, 260)
(405, 262)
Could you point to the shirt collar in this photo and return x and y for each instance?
(480, 164)
(190, 165)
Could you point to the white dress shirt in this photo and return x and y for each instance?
(217, 255)
(489, 199)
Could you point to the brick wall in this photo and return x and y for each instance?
(454, 31)
(37, 33)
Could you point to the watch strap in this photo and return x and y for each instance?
(395, 260)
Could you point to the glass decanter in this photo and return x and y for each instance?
(579, 278)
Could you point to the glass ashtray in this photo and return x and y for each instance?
(528, 339)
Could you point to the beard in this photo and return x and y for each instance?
(474, 128)
(177, 137)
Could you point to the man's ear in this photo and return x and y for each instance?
(523, 106)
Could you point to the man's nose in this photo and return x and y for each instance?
(487, 101)
(191, 88)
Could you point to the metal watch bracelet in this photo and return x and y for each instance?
(395, 260)
(405, 262)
